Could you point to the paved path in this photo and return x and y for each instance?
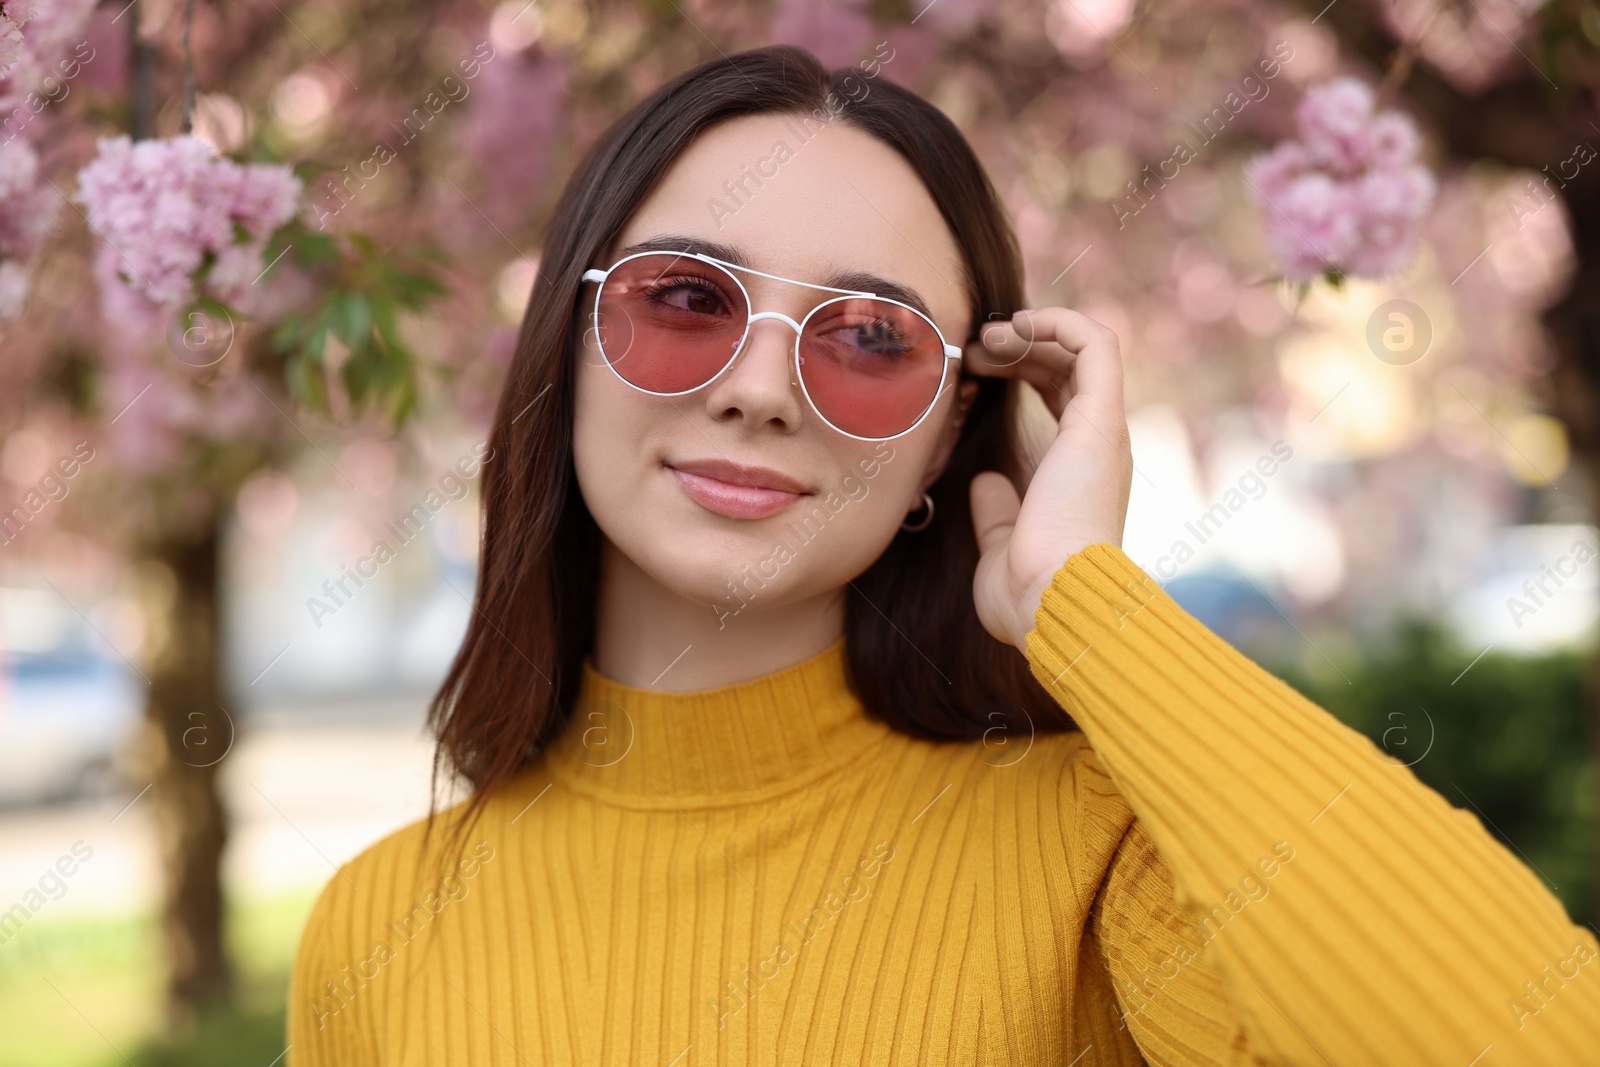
(305, 795)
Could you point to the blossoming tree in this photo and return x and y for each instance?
(220, 312)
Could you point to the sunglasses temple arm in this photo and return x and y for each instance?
(952, 352)
(780, 278)
(592, 275)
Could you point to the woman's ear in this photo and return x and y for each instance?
(966, 393)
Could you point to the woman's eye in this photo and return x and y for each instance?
(697, 298)
(701, 300)
(877, 337)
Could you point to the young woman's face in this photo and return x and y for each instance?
(841, 206)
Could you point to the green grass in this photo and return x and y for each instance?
(85, 991)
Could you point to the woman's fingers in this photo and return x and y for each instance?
(1096, 363)
(1063, 353)
(1002, 352)
(1078, 493)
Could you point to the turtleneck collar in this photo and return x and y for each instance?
(738, 743)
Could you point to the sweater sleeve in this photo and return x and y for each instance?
(1350, 914)
(1169, 994)
(320, 1032)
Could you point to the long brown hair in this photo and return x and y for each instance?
(918, 658)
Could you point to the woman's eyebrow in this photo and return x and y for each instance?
(874, 283)
(859, 281)
(674, 243)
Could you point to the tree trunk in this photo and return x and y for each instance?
(186, 729)
(142, 59)
(187, 732)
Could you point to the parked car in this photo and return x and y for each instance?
(68, 705)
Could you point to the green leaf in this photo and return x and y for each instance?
(357, 377)
(383, 317)
(286, 335)
(317, 335)
(311, 249)
(318, 249)
(306, 382)
(354, 320)
(364, 287)
(216, 309)
(403, 400)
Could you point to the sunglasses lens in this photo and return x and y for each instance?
(669, 323)
(871, 367)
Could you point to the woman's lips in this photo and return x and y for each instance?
(732, 500)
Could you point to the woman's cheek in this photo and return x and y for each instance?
(863, 504)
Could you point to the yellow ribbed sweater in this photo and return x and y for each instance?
(1214, 870)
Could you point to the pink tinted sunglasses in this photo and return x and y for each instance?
(669, 323)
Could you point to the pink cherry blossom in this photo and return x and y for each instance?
(1349, 195)
(28, 212)
(27, 206)
(27, 59)
(1333, 119)
(134, 314)
(182, 222)
(1391, 141)
(10, 43)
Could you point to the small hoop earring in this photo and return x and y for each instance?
(923, 525)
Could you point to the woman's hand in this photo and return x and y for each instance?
(1079, 493)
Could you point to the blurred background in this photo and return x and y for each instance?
(248, 359)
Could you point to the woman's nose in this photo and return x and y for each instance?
(759, 388)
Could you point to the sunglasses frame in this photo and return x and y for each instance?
(752, 317)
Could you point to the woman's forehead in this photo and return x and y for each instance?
(810, 202)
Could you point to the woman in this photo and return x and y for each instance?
(756, 778)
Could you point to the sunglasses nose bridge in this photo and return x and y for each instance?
(780, 316)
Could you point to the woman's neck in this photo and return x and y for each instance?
(650, 636)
